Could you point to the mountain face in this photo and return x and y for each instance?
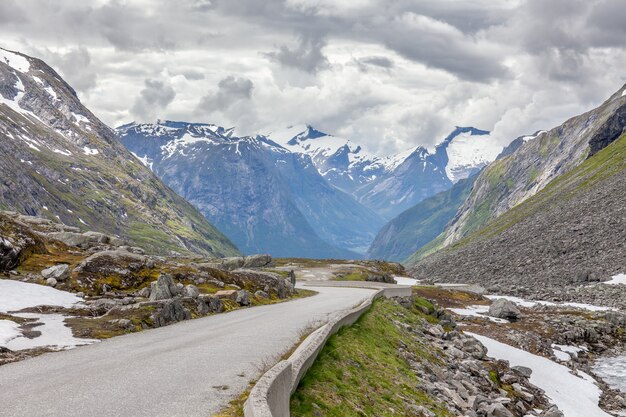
(263, 196)
(342, 163)
(567, 235)
(395, 183)
(513, 179)
(59, 161)
(415, 227)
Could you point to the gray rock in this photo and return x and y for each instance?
(59, 272)
(144, 292)
(257, 261)
(504, 309)
(552, 412)
(123, 323)
(292, 278)
(498, 410)
(232, 263)
(243, 298)
(523, 370)
(9, 254)
(51, 282)
(261, 294)
(213, 302)
(172, 311)
(192, 291)
(161, 288)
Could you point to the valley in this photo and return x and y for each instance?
(283, 208)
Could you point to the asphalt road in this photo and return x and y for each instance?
(193, 368)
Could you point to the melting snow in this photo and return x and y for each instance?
(527, 303)
(90, 151)
(467, 151)
(62, 152)
(575, 395)
(9, 330)
(619, 279)
(15, 61)
(477, 311)
(16, 295)
(613, 371)
(53, 330)
(406, 281)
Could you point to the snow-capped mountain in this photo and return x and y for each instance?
(60, 162)
(265, 197)
(343, 163)
(389, 185)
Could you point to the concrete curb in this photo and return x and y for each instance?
(270, 395)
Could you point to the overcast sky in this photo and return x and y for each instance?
(389, 74)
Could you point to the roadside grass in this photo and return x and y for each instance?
(360, 371)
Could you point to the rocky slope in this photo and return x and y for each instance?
(420, 224)
(513, 179)
(555, 243)
(118, 288)
(60, 162)
(264, 197)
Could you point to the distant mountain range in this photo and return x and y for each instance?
(299, 191)
(59, 161)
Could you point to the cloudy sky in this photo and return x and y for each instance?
(390, 74)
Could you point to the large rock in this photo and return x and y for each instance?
(192, 291)
(232, 263)
(243, 298)
(227, 294)
(9, 255)
(161, 289)
(213, 302)
(172, 311)
(59, 272)
(504, 309)
(110, 260)
(257, 261)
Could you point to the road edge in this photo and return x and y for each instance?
(271, 394)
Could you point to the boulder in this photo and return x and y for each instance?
(144, 292)
(243, 298)
(498, 410)
(504, 309)
(227, 294)
(51, 282)
(261, 294)
(257, 261)
(161, 289)
(386, 278)
(192, 291)
(9, 255)
(59, 272)
(172, 311)
(232, 263)
(213, 302)
(523, 370)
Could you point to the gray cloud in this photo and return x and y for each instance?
(307, 56)
(76, 67)
(389, 73)
(153, 99)
(377, 61)
(230, 90)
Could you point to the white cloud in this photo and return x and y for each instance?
(390, 74)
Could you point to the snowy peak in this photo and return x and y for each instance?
(465, 151)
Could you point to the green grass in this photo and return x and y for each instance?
(360, 373)
(601, 166)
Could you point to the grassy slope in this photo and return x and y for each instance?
(417, 226)
(602, 165)
(359, 371)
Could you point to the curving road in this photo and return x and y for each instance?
(193, 368)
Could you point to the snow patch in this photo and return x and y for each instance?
(9, 330)
(467, 152)
(619, 279)
(613, 371)
(62, 152)
(16, 295)
(54, 333)
(575, 395)
(530, 303)
(90, 151)
(477, 311)
(14, 60)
